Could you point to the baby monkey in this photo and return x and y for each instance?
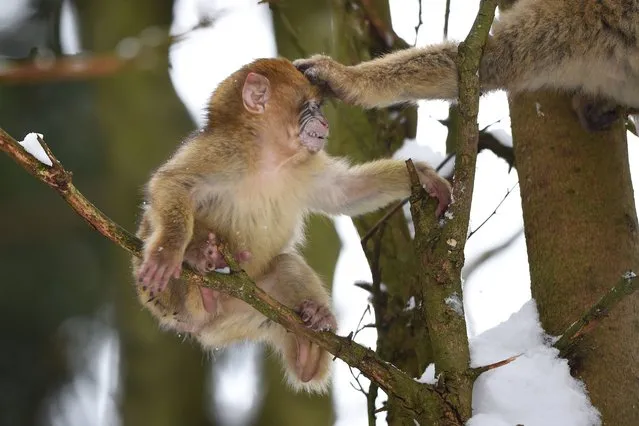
(249, 178)
(590, 48)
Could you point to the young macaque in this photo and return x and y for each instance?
(249, 179)
(588, 48)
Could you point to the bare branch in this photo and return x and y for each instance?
(568, 341)
(476, 372)
(441, 248)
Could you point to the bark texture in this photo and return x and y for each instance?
(581, 233)
(163, 378)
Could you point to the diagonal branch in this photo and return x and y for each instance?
(568, 341)
(393, 381)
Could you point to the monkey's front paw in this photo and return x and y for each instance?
(440, 189)
(436, 186)
(316, 316)
(158, 267)
(322, 71)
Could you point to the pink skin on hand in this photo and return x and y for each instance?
(317, 317)
(162, 264)
(206, 258)
(439, 190)
(156, 270)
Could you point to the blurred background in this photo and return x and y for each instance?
(114, 85)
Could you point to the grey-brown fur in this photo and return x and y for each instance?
(587, 47)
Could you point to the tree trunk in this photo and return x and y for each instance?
(163, 378)
(581, 233)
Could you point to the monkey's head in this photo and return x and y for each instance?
(272, 97)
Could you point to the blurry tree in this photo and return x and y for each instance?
(162, 378)
(39, 246)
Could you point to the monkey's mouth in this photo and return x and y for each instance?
(314, 133)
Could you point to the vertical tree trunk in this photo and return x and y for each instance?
(162, 378)
(581, 234)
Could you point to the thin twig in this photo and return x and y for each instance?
(471, 233)
(420, 22)
(477, 371)
(446, 19)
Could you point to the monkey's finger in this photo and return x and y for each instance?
(306, 63)
(156, 279)
(178, 272)
(149, 272)
(169, 271)
(307, 311)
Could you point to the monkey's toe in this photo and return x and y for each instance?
(316, 316)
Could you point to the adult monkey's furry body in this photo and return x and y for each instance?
(249, 178)
(586, 47)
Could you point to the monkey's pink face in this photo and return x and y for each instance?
(313, 127)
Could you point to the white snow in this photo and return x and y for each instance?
(536, 389)
(428, 376)
(455, 303)
(411, 304)
(31, 144)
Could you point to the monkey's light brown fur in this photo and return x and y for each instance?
(250, 177)
(587, 47)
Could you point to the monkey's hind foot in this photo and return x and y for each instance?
(316, 316)
(595, 115)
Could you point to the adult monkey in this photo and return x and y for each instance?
(589, 48)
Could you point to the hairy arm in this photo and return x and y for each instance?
(405, 75)
(354, 190)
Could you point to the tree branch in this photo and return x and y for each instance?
(441, 248)
(568, 341)
(415, 396)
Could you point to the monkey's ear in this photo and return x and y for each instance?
(256, 92)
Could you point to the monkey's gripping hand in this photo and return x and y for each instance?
(159, 265)
(435, 185)
(310, 357)
(335, 79)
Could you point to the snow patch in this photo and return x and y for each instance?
(428, 376)
(536, 389)
(455, 303)
(31, 144)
